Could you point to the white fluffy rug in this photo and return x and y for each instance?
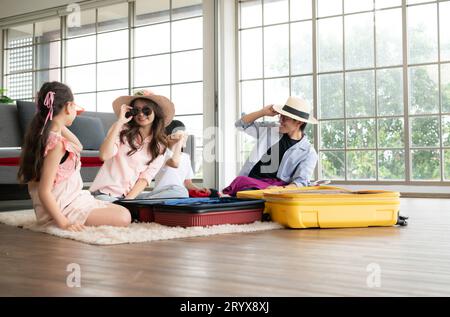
(136, 232)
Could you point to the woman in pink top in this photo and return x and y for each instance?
(134, 148)
(50, 164)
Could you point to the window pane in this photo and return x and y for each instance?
(390, 133)
(389, 37)
(188, 98)
(276, 51)
(309, 132)
(85, 25)
(330, 44)
(446, 130)
(361, 134)
(422, 34)
(45, 76)
(19, 59)
(276, 11)
(105, 99)
(112, 75)
(198, 168)
(361, 165)
(81, 78)
(423, 89)
(48, 55)
(160, 43)
(20, 86)
(47, 31)
(357, 5)
(152, 11)
(391, 165)
(87, 101)
(445, 87)
(276, 91)
(248, 143)
(333, 164)
(20, 36)
(301, 48)
(75, 55)
(182, 9)
(332, 134)
(154, 70)
(112, 45)
(360, 96)
(187, 34)
(187, 66)
(417, 1)
(301, 9)
(444, 22)
(251, 13)
(194, 126)
(424, 131)
(426, 165)
(329, 7)
(387, 3)
(251, 95)
(359, 41)
(113, 17)
(390, 91)
(303, 88)
(331, 96)
(447, 164)
(251, 53)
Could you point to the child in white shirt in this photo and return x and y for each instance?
(174, 179)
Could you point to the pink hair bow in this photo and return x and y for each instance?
(48, 102)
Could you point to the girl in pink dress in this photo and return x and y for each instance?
(50, 164)
(135, 147)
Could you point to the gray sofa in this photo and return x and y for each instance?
(90, 127)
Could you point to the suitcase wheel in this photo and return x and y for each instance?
(402, 220)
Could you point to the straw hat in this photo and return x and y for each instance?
(166, 105)
(297, 109)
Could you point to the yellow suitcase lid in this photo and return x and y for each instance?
(331, 193)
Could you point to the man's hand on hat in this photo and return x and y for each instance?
(269, 111)
(123, 110)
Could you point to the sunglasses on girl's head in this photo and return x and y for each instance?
(146, 111)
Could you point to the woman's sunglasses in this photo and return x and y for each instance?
(146, 111)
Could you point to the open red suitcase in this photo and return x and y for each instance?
(188, 212)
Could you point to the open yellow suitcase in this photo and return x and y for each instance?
(330, 207)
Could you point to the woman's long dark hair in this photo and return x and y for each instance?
(158, 143)
(32, 156)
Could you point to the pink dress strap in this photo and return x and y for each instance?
(69, 166)
(53, 140)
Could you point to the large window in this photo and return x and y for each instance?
(379, 81)
(116, 50)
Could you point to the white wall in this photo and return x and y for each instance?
(11, 8)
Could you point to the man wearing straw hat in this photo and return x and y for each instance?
(283, 155)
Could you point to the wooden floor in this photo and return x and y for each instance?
(413, 261)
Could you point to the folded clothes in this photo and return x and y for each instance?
(202, 193)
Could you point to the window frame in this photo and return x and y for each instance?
(406, 116)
